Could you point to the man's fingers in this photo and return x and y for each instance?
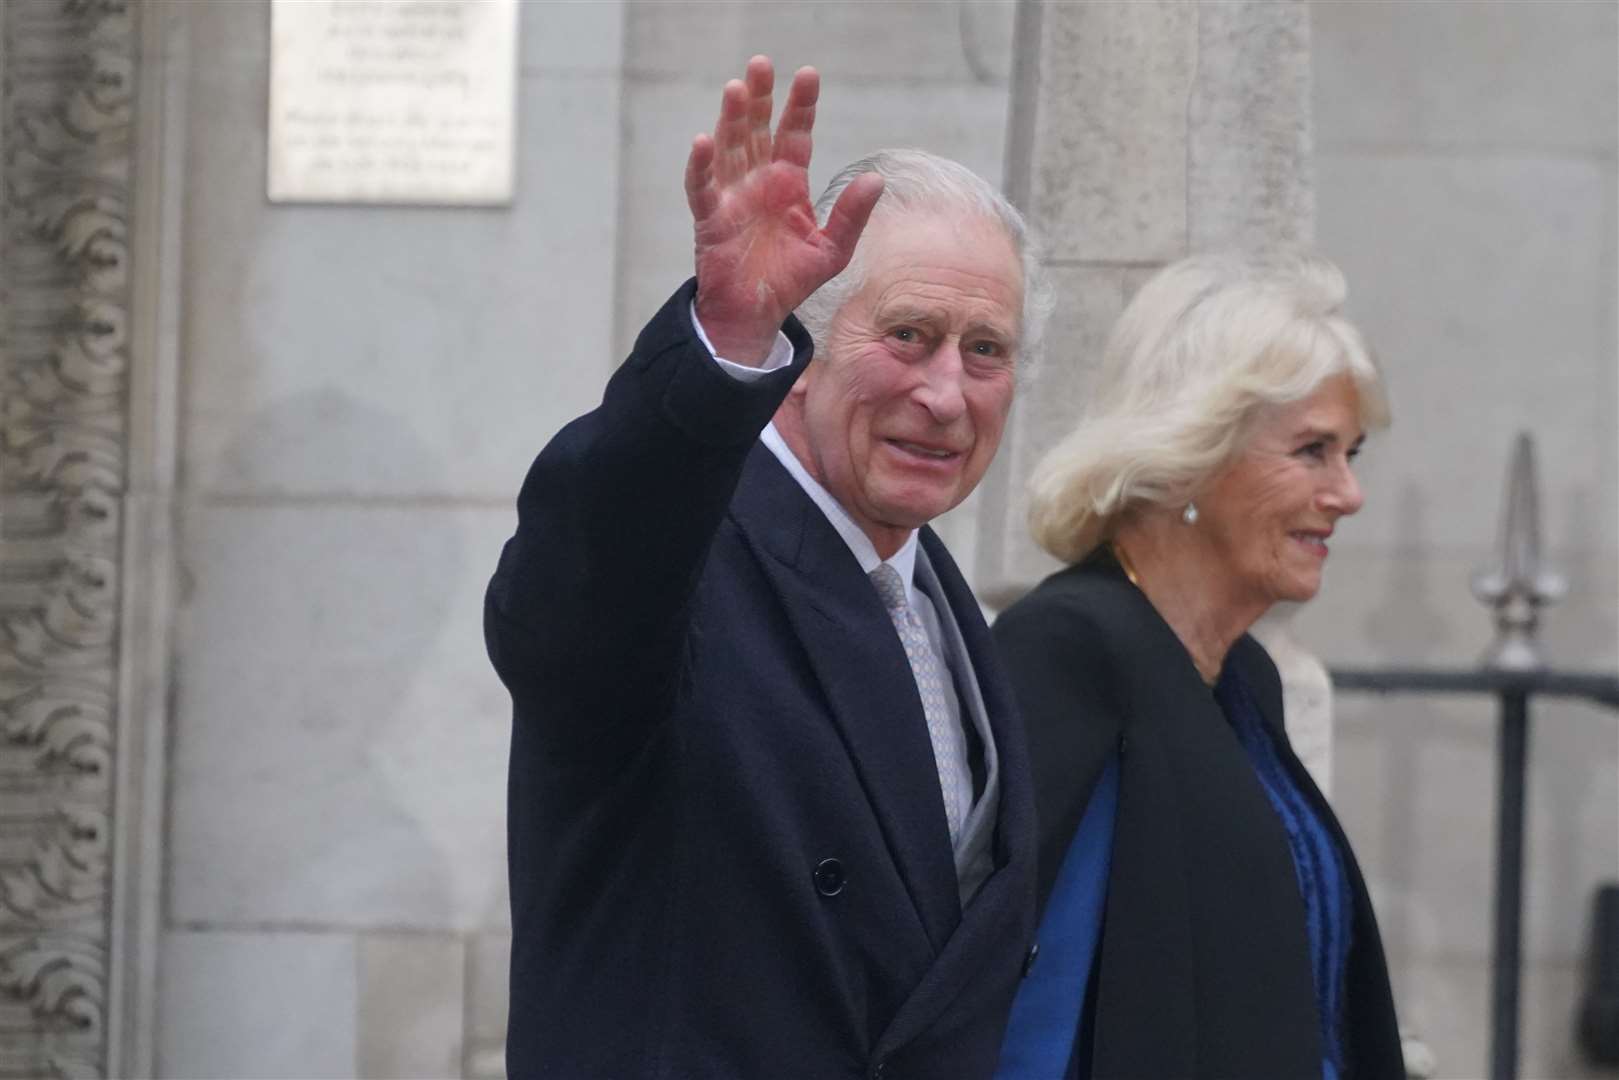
(700, 194)
(761, 83)
(760, 74)
(793, 142)
(851, 212)
(802, 95)
(731, 132)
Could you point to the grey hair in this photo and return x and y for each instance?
(918, 180)
(1204, 345)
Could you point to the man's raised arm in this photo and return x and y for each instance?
(618, 512)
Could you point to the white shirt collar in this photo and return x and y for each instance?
(903, 561)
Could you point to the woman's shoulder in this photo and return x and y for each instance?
(1087, 591)
(1090, 604)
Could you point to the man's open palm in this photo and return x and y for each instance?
(759, 251)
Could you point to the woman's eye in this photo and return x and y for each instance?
(1317, 450)
(1353, 453)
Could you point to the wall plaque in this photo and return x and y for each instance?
(392, 101)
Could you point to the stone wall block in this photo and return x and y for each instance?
(489, 961)
(700, 41)
(1249, 165)
(1108, 172)
(241, 1005)
(586, 38)
(1496, 305)
(318, 335)
(1470, 76)
(340, 739)
(314, 334)
(411, 1006)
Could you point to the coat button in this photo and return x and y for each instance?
(829, 877)
(879, 1069)
(1028, 961)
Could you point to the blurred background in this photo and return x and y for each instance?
(259, 458)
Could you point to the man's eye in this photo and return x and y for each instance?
(907, 333)
(987, 348)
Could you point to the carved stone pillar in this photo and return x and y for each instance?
(78, 797)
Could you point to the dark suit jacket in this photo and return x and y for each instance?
(727, 847)
(1204, 964)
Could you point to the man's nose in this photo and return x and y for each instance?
(941, 391)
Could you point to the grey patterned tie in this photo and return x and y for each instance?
(949, 741)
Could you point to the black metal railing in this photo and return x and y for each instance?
(1514, 689)
(1512, 670)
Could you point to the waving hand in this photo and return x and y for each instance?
(759, 252)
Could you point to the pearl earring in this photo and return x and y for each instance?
(1189, 515)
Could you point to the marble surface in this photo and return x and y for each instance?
(1416, 78)
(412, 1006)
(339, 736)
(319, 340)
(244, 1005)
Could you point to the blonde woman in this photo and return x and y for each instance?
(1203, 915)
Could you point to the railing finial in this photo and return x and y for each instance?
(1519, 586)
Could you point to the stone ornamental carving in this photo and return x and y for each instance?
(66, 92)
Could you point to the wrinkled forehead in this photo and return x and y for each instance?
(969, 224)
(955, 261)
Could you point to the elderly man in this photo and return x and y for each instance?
(769, 807)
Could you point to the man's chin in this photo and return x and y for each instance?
(912, 513)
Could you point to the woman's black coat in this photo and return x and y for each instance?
(1205, 961)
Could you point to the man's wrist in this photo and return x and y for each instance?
(778, 355)
(746, 339)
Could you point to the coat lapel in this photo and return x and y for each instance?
(857, 658)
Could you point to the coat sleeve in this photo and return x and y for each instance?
(1056, 658)
(587, 614)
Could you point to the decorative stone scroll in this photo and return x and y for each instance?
(66, 104)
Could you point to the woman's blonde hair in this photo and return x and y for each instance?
(1204, 345)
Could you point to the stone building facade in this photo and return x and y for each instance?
(257, 461)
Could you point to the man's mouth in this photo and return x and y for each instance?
(922, 450)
